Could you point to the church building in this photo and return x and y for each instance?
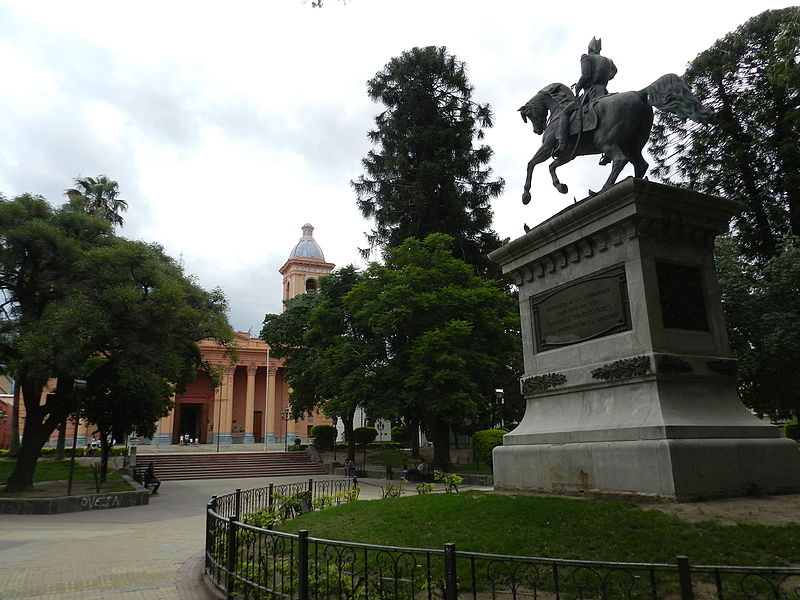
(252, 404)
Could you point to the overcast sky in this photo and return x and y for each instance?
(229, 125)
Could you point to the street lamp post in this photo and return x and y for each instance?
(286, 414)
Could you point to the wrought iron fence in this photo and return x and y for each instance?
(249, 562)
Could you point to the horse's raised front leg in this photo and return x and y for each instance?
(542, 154)
(616, 168)
(561, 160)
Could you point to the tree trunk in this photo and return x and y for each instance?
(35, 435)
(440, 436)
(105, 451)
(62, 441)
(13, 449)
(40, 422)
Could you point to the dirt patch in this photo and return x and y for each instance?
(763, 510)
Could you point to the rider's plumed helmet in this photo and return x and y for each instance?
(595, 45)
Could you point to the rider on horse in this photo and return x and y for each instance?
(596, 72)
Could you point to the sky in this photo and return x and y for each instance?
(230, 125)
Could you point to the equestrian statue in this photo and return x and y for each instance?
(616, 126)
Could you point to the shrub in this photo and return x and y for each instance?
(364, 435)
(392, 490)
(324, 436)
(400, 435)
(451, 481)
(81, 451)
(425, 488)
(792, 430)
(297, 447)
(483, 442)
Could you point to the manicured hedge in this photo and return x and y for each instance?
(483, 442)
(792, 430)
(324, 436)
(365, 435)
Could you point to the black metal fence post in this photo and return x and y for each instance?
(269, 496)
(209, 540)
(302, 564)
(231, 559)
(238, 509)
(450, 574)
(685, 576)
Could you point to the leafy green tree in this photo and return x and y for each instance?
(751, 78)
(447, 334)
(144, 317)
(426, 175)
(762, 307)
(328, 360)
(79, 302)
(98, 196)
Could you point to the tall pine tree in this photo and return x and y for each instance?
(426, 174)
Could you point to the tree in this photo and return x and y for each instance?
(329, 360)
(426, 176)
(79, 302)
(751, 78)
(145, 322)
(762, 307)
(447, 333)
(98, 196)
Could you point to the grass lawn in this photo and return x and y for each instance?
(48, 470)
(551, 527)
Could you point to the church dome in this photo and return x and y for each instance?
(307, 247)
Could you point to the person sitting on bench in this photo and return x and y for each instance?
(151, 479)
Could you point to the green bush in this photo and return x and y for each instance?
(483, 442)
(792, 430)
(297, 447)
(400, 435)
(324, 436)
(81, 451)
(364, 435)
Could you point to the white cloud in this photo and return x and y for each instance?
(229, 126)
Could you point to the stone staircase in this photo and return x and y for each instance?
(229, 465)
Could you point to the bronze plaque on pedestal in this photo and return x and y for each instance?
(582, 310)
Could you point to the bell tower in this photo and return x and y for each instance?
(306, 264)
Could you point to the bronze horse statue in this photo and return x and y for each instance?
(616, 126)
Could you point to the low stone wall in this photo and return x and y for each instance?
(52, 506)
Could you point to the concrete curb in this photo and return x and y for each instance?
(66, 504)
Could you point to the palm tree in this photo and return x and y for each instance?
(98, 195)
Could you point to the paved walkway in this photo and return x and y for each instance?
(137, 553)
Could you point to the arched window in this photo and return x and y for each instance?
(311, 285)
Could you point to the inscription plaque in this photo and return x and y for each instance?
(581, 311)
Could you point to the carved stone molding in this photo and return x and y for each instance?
(542, 383)
(667, 363)
(624, 368)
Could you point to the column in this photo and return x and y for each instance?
(250, 405)
(272, 409)
(224, 412)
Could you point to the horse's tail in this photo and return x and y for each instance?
(670, 94)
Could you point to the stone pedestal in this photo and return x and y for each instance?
(629, 381)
